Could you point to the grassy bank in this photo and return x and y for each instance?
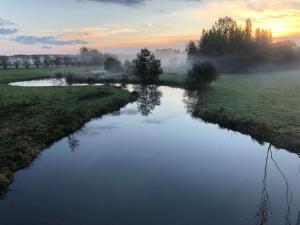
(168, 79)
(265, 106)
(34, 118)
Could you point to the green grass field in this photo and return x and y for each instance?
(272, 99)
(33, 118)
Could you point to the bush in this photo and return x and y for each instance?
(201, 75)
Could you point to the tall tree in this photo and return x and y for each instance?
(37, 60)
(112, 64)
(146, 66)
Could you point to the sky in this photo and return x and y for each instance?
(120, 26)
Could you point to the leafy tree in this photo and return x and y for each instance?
(84, 52)
(37, 61)
(67, 61)
(201, 75)
(96, 57)
(46, 61)
(248, 29)
(17, 64)
(233, 48)
(26, 62)
(146, 66)
(192, 50)
(128, 67)
(225, 37)
(4, 61)
(263, 37)
(112, 64)
(57, 61)
(91, 56)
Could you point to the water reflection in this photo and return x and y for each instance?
(298, 219)
(264, 204)
(54, 82)
(73, 143)
(190, 100)
(264, 207)
(149, 98)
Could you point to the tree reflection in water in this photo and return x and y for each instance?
(264, 207)
(190, 100)
(73, 142)
(149, 98)
(298, 219)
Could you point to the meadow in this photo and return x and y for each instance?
(264, 105)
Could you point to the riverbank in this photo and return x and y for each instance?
(34, 118)
(265, 106)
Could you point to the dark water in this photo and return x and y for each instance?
(156, 165)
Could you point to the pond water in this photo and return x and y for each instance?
(151, 163)
(41, 83)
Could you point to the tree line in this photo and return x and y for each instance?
(233, 48)
(86, 57)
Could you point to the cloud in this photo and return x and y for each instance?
(46, 47)
(4, 22)
(47, 40)
(6, 31)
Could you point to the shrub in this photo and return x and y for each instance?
(201, 75)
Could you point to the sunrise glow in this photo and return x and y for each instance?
(153, 24)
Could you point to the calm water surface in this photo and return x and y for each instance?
(153, 164)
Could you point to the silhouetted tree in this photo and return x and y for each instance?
(37, 60)
(263, 37)
(146, 66)
(128, 67)
(46, 61)
(58, 61)
(84, 52)
(17, 64)
(192, 50)
(234, 49)
(4, 61)
(112, 64)
(26, 62)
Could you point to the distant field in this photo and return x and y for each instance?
(12, 74)
(269, 98)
